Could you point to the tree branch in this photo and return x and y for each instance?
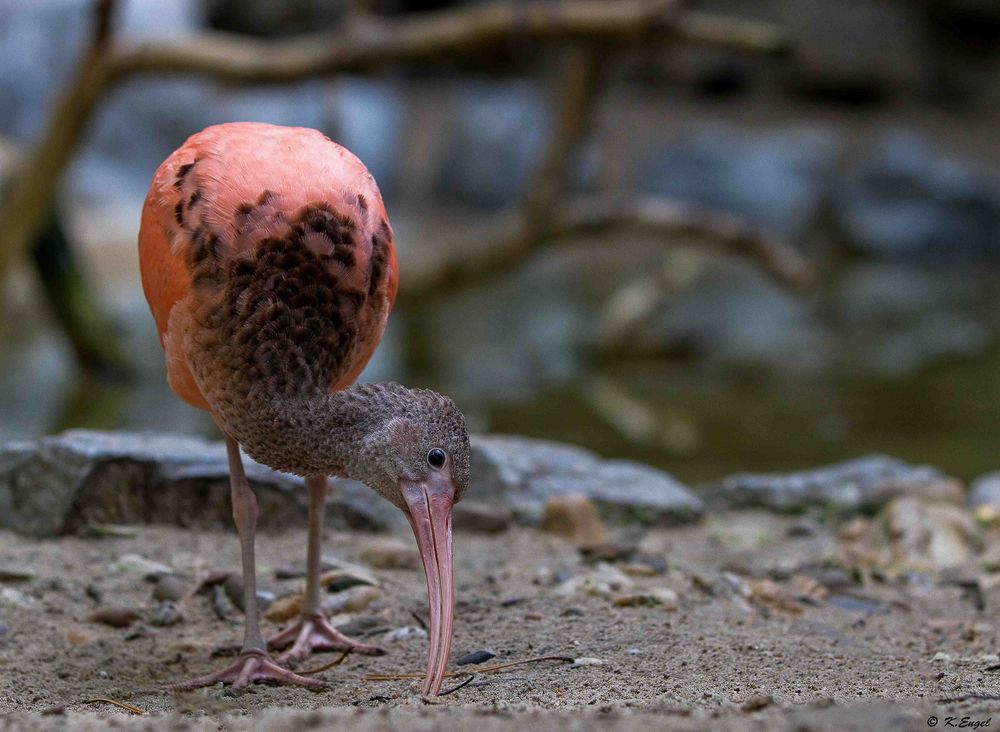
(361, 46)
(592, 215)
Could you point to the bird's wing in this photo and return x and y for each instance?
(243, 211)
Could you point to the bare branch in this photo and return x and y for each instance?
(359, 46)
(592, 215)
(374, 42)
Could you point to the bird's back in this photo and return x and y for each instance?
(268, 262)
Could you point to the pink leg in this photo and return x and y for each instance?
(312, 631)
(253, 664)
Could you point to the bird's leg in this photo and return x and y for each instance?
(254, 664)
(312, 631)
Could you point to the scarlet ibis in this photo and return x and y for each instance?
(268, 263)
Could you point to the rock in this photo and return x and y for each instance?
(404, 634)
(738, 317)
(232, 584)
(854, 485)
(930, 535)
(284, 608)
(14, 599)
(475, 657)
(984, 491)
(661, 596)
(574, 518)
(481, 517)
(352, 600)
(172, 587)
(339, 575)
(116, 617)
(166, 614)
(756, 703)
(16, 573)
(777, 179)
(910, 201)
(139, 565)
(61, 483)
(603, 581)
(523, 473)
(390, 554)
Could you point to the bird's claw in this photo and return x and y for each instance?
(251, 667)
(315, 633)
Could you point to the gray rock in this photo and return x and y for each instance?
(63, 482)
(777, 179)
(984, 491)
(736, 317)
(910, 200)
(860, 484)
(523, 473)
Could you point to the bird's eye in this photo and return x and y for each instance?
(437, 457)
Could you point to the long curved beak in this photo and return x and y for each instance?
(429, 504)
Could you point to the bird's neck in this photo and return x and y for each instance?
(317, 433)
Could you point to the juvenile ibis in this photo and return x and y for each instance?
(268, 263)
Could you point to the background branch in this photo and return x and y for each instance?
(361, 46)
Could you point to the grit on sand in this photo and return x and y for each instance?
(765, 634)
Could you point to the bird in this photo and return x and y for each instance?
(269, 266)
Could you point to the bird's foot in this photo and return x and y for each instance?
(315, 633)
(251, 667)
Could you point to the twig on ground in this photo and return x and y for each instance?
(328, 666)
(121, 705)
(484, 670)
(453, 689)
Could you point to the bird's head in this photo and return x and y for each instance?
(416, 455)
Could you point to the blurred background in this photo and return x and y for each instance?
(860, 134)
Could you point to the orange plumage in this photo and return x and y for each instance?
(237, 186)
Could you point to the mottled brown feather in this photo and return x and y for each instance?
(268, 263)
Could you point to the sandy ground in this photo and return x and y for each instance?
(789, 659)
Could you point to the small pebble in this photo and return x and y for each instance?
(135, 564)
(359, 625)
(587, 661)
(575, 518)
(390, 553)
(533, 616)
(166, 614)
(755, 704)
(12, 573)
(55, 711)
(634, 651)
(94, 593)
(284, 608)
(475, 657)
(116, 617)
(352, 600)
(345, 576)
(80, 637)
(408, 632)
(14, 599)
(104, 674)
(481, 517)
(172, 587)
(233, 585)
(661, 596)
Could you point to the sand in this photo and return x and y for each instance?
(883, 659)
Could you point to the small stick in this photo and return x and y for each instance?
(328, 666)
(453, 689)
(121, 705)
(485, 670)
(420, 620)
